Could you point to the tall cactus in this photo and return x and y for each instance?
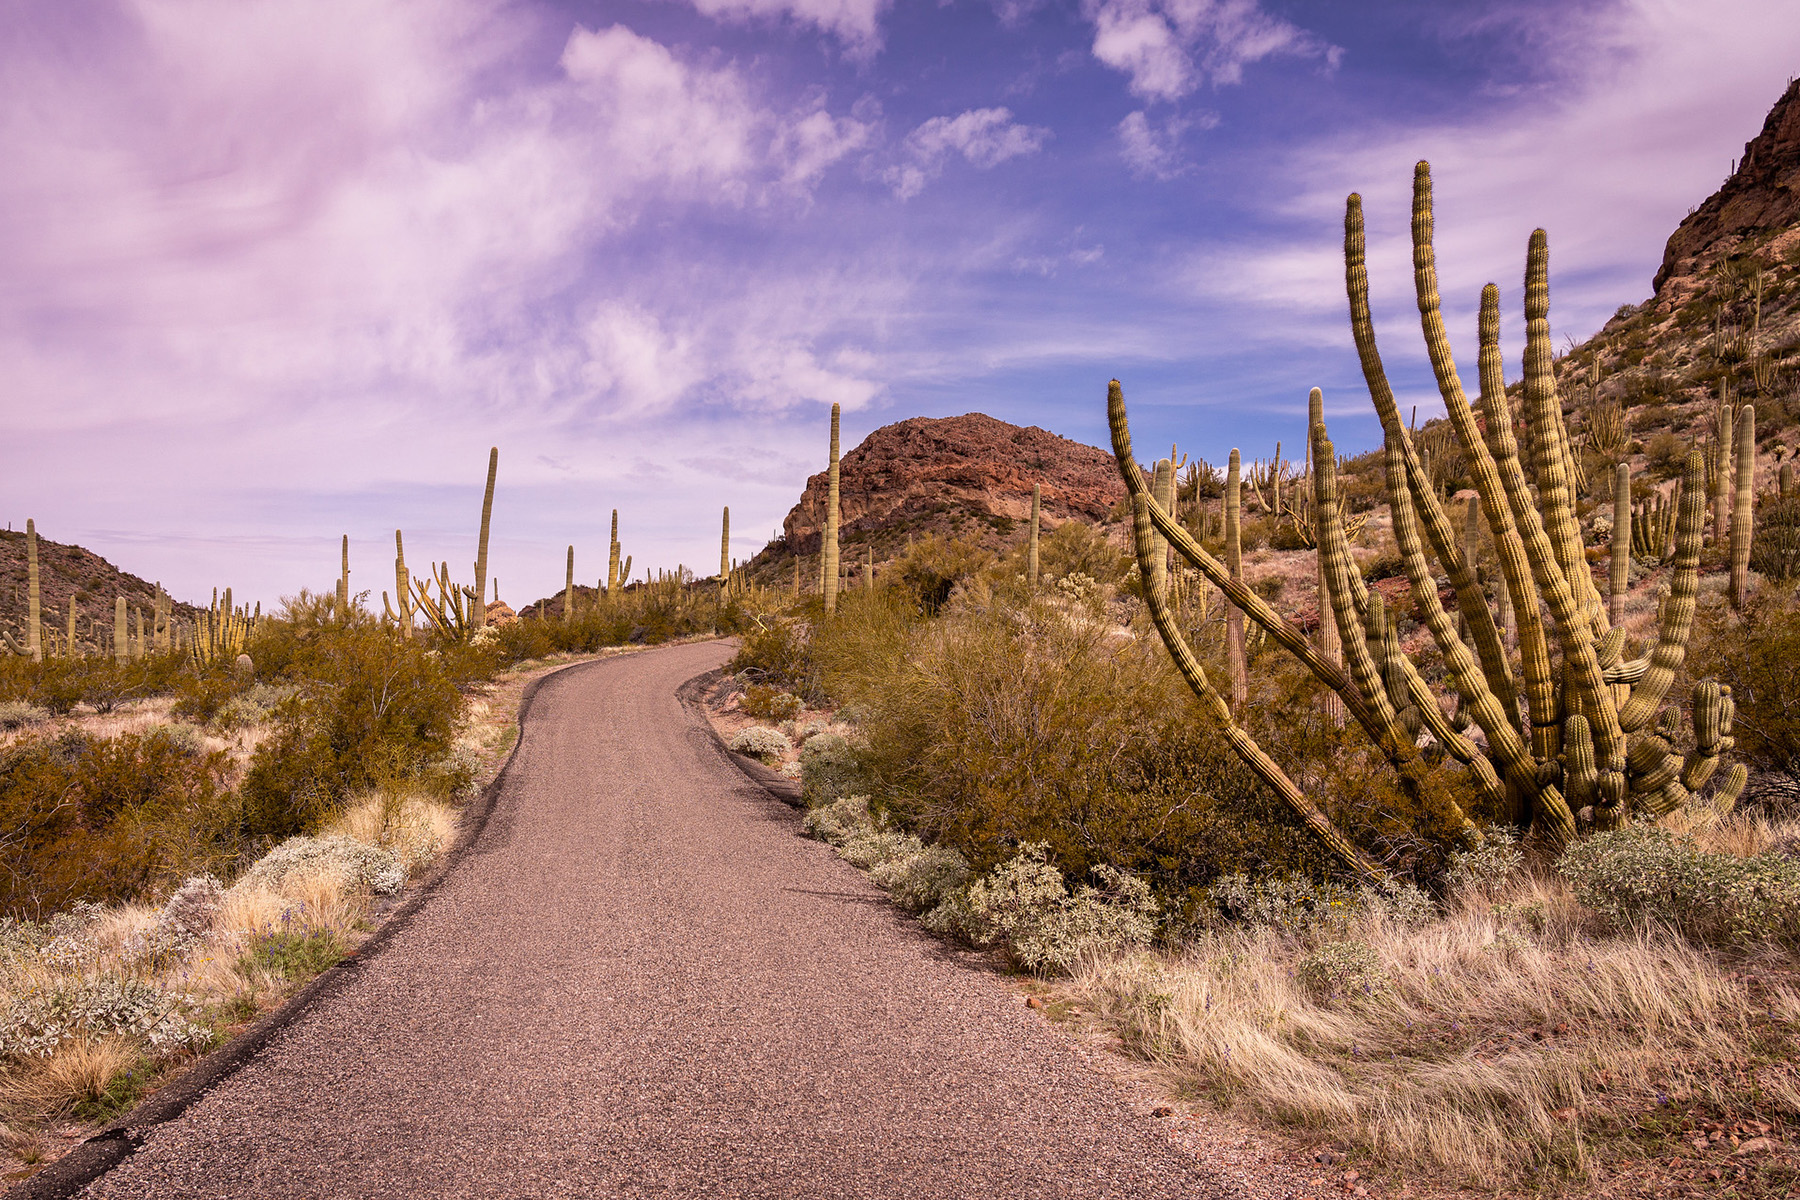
(1620, 578)
(1743, 514)
(343, 587)
(1719, 474)
(569, 590)
(402, 588)
(1031, 551)
(1330, 644)
(725, 552)
(612, 558)
(1162, 481)
(830, 554)
(1237, 663)
(121, 633)
(1592, 749)
(481, 547)
(34, 612)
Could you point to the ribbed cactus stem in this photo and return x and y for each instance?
(34, 618)
(1787, 480)
(1329, 644)
(343, 587)
(1160, 480)
(796, 578)
(1620, 579)
(1031, 546)
(1581, 773)
(402, 588)
(725, 551)
(1237, 664)
(1743, 519)
(481, 547)
(569, 588)
(121, 632)
(830, 555)
(612, 557)
(1720, 475)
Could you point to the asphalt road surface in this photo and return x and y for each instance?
(643, 983)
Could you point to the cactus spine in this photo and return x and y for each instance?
(481, 547)
(121, 633)
(1555, 775)
(34, 619)
(1620, 579)
(569, 590)
(830, 554)
(1031, 552)
(1237, 664)
(1743, 516)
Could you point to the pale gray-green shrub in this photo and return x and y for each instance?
(1024, 904)
(759, 741)
(1292, 903)
(37, 1023)
(358, 864)
(827, 768)
(1489, 865)
(1341, 967)
(838, 821)
(1643, 874)
(922, 880)
(18, 714)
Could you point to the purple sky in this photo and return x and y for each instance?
(272, 271)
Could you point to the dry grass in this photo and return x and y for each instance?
(79, 1071)
(416, 828)
(1499, 1044)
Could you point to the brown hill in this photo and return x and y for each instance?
(65, 571)
(967, 476)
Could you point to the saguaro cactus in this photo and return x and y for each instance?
(1160, 480)
(34, 612)
(1743, 514)
(1031, 547)
(612, 557)
(569, 590)
(831, 521)
(1592, 747)
(402, 588)
(725, 552)
(343, 587)
(1329, 644)
(481, 548)
(121, 633)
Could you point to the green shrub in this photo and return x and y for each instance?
(827, 768)
(295, 954)
(838, 821)
(1025, 905)
(1757, 653)
(1643, 874)
(1077, 548)
(922, 878)
(1341, 968)
(933, 566)
(759, 741)
(1775, 550)
(769, 703)
(777, 653)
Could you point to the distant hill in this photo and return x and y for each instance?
(64, 571)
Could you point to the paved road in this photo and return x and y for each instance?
(643, 983)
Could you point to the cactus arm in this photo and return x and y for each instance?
(1709, 735)
(1252, 754)
(1581, 774)
(1620, 578)
(1291, 638)
(1161, 479)
(1237, 662)
(1743, 511)
(1470, 600)
(1725, 798)
(1543, 413)
(1678, 610)
(1340, 570)
(1329, 643)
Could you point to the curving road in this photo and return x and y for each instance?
(642, 983)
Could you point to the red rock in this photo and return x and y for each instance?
(1162, 1110)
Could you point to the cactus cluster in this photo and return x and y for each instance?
(220, 631)
(1575, 733)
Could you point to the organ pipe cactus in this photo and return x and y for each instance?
(569, 589)
(830, 553)
(1620, 578)
(34, 613)
(1329, 643)
(725, 552)
(121, 628)
(1581, 695)
(481, 547)
(402, 592)
(1237, 662)
(1161, 487)
(219, 633)
(1743, 508)
(1653, 526)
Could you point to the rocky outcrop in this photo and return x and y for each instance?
(1762, 195)
(64, 571)
(969, 475)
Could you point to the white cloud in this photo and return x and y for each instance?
(1151, 152)
(985, 137)
(855, 23)
(1169, 48)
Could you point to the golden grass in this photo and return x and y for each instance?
(78, 1071)
(415, 828)
(1498, 1036)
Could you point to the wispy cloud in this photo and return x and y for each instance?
(1153, 150)
(855, 23)
(1169, 48)
(985, 137)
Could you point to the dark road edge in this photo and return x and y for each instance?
(115, 1143)
(693, 695)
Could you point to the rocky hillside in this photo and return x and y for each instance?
(967, 477)
(65, 571)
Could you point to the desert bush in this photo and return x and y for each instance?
(21, 714)
(1025, 905)
(357, 865)
(37, 1024)
(1757, 653)
(1666, 455)
(828, 768)
(837, 821)
(1644, 875)
(759, 741)
(924, 878)
(778, 653)
(1077, 548)
(1337, 968)
(933, 566)
(768, 703)
(1775, 550)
